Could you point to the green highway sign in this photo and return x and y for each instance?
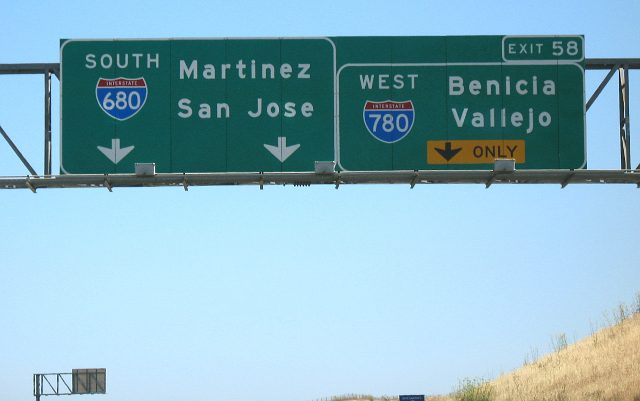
(367, 103)
(197, 105)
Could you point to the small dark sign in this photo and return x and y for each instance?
(412, 398)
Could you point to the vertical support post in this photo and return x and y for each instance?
(36, 386)
(47, 122)
(625, 124)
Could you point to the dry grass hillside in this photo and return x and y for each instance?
(602, 367)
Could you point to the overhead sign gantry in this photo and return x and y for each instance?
(161, 112)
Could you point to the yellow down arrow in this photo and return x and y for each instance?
(474, 151)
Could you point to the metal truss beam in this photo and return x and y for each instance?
(31, 68)
(410, 178)
(41, 68)
(51, 384)
(622, 66)
(609, 63)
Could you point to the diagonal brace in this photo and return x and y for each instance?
(602, 85)
(17, 152)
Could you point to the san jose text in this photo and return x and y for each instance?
(262, 106)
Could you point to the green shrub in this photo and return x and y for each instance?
(474, 390)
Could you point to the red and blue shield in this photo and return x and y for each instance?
(389, 121)
(121, 98)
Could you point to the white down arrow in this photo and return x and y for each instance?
(115, 153)
(282, 151)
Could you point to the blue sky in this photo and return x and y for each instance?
(228, 293)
